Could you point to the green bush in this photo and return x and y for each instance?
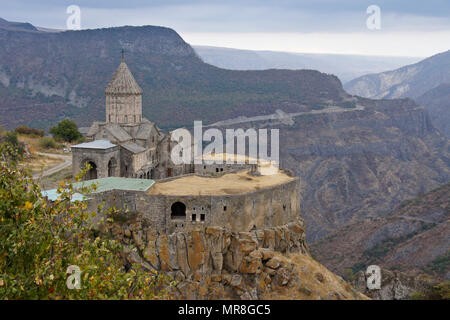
(30, 131)
(440, 265)
(66, 130)
(441, 291)
(49, 143)
(348, 274)
(12, 148)
(417, 296)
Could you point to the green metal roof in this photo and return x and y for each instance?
(53, 195)
(105, 184)
(116, 183)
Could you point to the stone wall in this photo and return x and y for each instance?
(219, 169)
(240, 212)
(100, 157)
(269, 207)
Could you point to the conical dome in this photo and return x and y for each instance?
(123, 82)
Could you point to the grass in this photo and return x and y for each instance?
(310, 287)
(33, 143)
(37, 163)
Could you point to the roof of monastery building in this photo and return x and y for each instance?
(231, 183)
(133, 147)
(102, 185)
(96, 144)
(123, 82)
(142, 132)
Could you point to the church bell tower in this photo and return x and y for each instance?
(123, 97)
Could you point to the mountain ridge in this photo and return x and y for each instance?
(408, 81)
(345, 66)
(426, 82)
(71, 69)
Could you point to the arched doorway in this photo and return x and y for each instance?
(92, 173)
(112, 164)
(178, 211)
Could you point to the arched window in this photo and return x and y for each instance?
(178, 211)
(112, 164)
(92, 173)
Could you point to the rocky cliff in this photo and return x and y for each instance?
(214, 263)
(413, 239)
(437, 102)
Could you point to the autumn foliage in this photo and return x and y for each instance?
(39, 240)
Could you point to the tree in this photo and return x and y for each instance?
(12, 149)
(66, 130)
(48, 143)
(40, 240)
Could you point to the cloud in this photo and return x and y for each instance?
(236, 15)
(323, 25)
(407, 44)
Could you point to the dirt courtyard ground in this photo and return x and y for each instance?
(231, 183)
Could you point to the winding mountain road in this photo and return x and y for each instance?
(67, 163)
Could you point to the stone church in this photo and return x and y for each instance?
(126, 144)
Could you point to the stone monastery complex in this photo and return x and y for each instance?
(131, 164)
(214, 228)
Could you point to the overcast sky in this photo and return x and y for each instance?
(408, 28)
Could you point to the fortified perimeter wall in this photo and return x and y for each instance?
(168, 211)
